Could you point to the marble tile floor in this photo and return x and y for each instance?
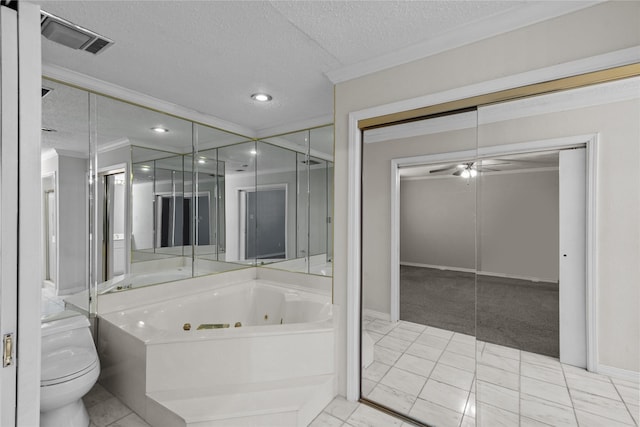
(106, 410)
(431, 375)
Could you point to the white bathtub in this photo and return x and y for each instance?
(287, 333)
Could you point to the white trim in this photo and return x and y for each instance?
(285, 143)
(102, 87)
(607, 60)
(29, 214)
(623, 374)
(593, 364)
(313, 122)
(9, 201)
(422, 127)
(353, 257)
(605, 93)
(509, 20)
(595, 63)
(480, 273)
(394, 301)
(376, 314)
(516, 277)
(438, 267)
(588, 96)
(73, 154)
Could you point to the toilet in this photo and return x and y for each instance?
(70, 368)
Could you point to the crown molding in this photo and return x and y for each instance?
(93, 84)
(69, 153)
(314, 122)
(510, 20)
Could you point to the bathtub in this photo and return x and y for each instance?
(284, 333)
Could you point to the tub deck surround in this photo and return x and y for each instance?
(282, 355)
(281, 403)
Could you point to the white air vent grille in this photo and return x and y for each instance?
(71, 35)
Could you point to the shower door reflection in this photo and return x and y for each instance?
(418, 271)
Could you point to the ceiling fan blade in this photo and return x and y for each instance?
(458, 172)
(445, 170)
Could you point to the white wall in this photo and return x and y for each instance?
(603, 28)
(72, 199)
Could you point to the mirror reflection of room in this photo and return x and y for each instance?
(166, 198)
(65, 195)
(418, 286)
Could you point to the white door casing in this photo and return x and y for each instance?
(8, 207)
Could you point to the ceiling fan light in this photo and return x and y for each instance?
(465, 173)
(473, 173)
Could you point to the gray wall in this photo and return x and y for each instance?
(437, 222)
(517, 219)
(72, 225)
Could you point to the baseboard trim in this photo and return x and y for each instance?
(512, 276)
(480, 273)
(619, 373)
(377, 314)
(438, 267)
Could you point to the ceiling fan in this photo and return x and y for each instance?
(464, 170)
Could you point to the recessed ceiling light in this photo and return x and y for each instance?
(159, 129)
(254, 152)
(261, 97)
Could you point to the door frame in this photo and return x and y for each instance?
(590, 142)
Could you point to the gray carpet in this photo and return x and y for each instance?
(515, 313)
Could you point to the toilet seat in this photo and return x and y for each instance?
(66, 364)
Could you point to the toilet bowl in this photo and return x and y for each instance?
(70, 368)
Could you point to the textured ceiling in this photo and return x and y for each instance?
(211, 55)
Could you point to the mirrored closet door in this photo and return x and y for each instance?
(418, 269)
(483, 299)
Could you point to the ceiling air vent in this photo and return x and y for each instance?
(71, 35)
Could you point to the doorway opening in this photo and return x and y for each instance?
(112, 217)
(532, 246)
(264, 222)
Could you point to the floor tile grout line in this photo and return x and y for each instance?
(624, 402)
(573, 405)
(431, 372)
(519, 388)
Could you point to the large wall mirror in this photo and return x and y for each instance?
(169, 199)
(480, 305)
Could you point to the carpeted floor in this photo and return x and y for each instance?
(514, 313)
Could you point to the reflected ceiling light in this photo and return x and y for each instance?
(202, 161)
(261, 97)
(145, 168)
(159, 129)
(254, 152)
(468, 172)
